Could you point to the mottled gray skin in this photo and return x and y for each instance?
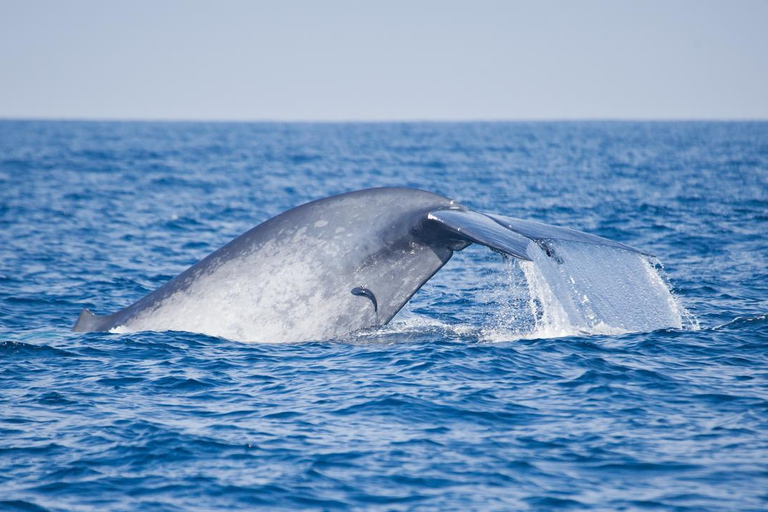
(390, 232)
(384, 242)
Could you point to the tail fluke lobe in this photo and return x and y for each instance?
(476, 227)
(540, 232)
(509, 235)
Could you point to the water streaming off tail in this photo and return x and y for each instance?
(576, 288)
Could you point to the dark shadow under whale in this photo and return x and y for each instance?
(327, 268)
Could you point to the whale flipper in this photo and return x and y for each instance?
(289, 278)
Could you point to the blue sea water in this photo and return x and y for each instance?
(448, 408)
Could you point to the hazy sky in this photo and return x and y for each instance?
(399, 60)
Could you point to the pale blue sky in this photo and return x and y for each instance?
(386, 60)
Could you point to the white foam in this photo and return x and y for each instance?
(408, 322)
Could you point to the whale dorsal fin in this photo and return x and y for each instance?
(88, 322)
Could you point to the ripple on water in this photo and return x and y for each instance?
(463, 402)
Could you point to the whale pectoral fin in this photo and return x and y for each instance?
(475, 227)
(88, 322)
(540, 233)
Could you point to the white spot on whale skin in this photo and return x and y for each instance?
(321, 223)
(340, 230)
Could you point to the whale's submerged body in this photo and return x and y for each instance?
(328, 267)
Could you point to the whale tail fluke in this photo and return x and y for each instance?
(540, 232)
(478, 228)
(509, 235)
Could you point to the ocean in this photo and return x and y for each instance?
(484, 393)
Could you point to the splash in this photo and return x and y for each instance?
(576, 289)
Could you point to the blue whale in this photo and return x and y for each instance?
(327, 268)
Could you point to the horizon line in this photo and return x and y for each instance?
(384, 121)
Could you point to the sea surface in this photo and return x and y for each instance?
(478, 396)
